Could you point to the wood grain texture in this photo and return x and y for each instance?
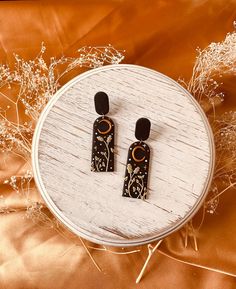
(91, 204)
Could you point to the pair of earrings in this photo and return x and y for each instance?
(136, 173)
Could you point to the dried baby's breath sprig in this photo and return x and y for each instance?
(15, 137)
(37, 212)
(31, 84)
(25, 90)
(212, 63)
(224, 129)
(21, 183)
(224, 179)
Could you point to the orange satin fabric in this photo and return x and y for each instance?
(162, 35)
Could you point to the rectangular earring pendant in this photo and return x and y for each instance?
(103, 145)
(136, 173)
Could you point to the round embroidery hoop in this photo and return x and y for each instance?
(91, 204)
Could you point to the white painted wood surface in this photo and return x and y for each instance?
(91, 204)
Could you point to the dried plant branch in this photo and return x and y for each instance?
(151, 251)
(91, 257)
(27, 88)
(212, 63)
(190, 232)
(103, 248)
(33, 84)
(224, 129)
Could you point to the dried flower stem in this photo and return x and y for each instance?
(114, 252)
(190, 232)
(151, 251)
(91, 257)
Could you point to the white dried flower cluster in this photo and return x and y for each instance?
(94, 57)
(15, 138)
(31, 84)
(25, 90)
(20, 183)
(224, 129)
(38, 213)
(211, 64)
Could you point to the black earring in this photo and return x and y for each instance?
(136, 173)
(103, 136)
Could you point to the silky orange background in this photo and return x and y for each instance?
(162, 35)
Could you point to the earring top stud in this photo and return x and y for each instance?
(101, 103)
(142, 129)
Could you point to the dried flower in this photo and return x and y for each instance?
(224, 129)
(34, 83)
(216, 60)
(31, 84)
(212, 63)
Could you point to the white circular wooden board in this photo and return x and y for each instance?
(91, 204)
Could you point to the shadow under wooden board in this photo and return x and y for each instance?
(91, 203)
